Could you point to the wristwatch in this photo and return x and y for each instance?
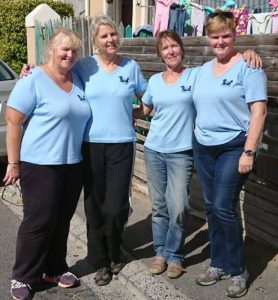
(249, 153)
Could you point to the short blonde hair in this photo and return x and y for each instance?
(99, 21)
(220, 21)
(65, 36)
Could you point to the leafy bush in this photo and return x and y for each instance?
(13, 40)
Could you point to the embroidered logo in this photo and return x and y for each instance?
(226, 82)
(124, 80)
(82, 98)
(186, 89)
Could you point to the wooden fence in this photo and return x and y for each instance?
(259, 199)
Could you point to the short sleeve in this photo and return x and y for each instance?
(141, 83)
(147, 97)
(23, 98)
(255, 85)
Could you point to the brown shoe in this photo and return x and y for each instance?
(174, 270)
(158, 266)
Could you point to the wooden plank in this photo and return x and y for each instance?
(272, 117)
(264, 39)
(139, 174)
(272, 88)
(262, 190)
(267, 166)
(255, 40)
(140, 186)
(260, 235)
(272, 101)
(140, 137)
(140, 165)
(272, 75)
(267, 232)
(261, 203)
(139, 147)
(140, 155)
(267, 139)
(142, 124)
(269, 220)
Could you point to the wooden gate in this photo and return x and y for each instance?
(44, 31)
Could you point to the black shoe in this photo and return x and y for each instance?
(116, 267)
(103, 276)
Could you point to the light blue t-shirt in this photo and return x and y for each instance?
(110, 95)
(172, 125)
(53, 132)
(222, 101)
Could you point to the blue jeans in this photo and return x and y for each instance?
(217, 168)
(177, 18)
(169, 176)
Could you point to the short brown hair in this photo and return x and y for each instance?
(168, 34)
(220, 21)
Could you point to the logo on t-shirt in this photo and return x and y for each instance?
(124, 80)
(186, 89)
(226, 82)
(81, 98)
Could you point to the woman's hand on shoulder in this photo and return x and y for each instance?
(252, 59)
(26, 70)
(12, 174)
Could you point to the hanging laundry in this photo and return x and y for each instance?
(187, 25)
(242, 16)
(178, 16)
(198, 18)
(273, 3)
(162, 8)
(261, 23)
(275, 22)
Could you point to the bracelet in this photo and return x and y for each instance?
(14, 163)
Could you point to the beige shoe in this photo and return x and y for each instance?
(158, 266)
(175, 270)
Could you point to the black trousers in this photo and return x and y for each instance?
(50, 195)
(108, 171)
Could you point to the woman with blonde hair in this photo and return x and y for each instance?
(111, 82)
(46, 118)
(231, 110)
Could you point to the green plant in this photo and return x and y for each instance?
(13, 41)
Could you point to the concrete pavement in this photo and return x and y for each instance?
(134, 281)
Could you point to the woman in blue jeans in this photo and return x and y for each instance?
(168, 152)
(231, 109)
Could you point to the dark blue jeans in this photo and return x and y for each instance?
(217, 168)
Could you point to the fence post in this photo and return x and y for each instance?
(42, 13)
